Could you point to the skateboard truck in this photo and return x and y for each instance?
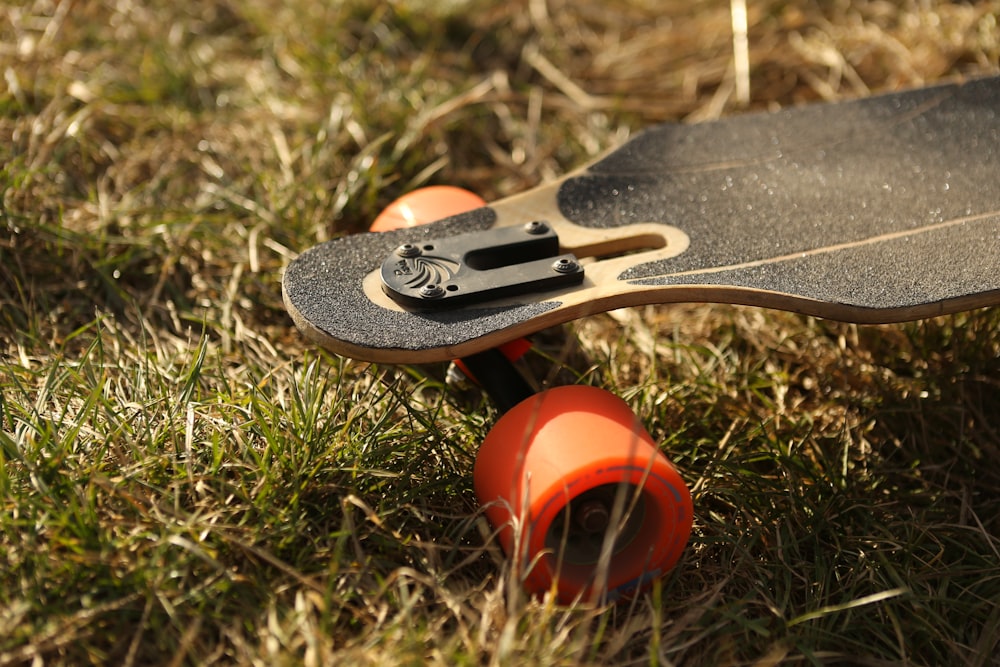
(567, 476)
(477, 267)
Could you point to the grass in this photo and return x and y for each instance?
(185, 481)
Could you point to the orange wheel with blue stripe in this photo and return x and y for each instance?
(584, 501)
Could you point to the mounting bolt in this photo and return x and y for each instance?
(593, 517)
(408, 250)
(536, 227)
(565, 265)
(431, 291)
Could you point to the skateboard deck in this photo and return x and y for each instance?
(877, 210)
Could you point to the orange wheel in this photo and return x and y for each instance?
(584, 501)
(426, 205)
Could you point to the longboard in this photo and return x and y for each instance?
(877, 210)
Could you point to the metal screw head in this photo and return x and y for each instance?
(431, 291)
(565, 265)
(408, 250)
(536, 227)
(593, 517)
